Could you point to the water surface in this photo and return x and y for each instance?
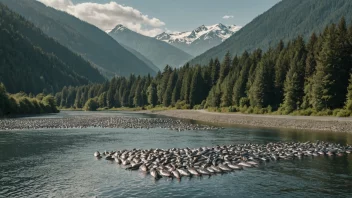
(60, 163)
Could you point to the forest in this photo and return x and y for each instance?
(32, 62)
(298, 77)
(23, 104)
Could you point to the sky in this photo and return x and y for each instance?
(152, 17)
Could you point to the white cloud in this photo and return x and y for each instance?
(107, 16)
(227, 17)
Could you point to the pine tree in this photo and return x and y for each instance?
(261, 92)
(4, 103)
(138, 97)
(163, 83)
(176, 92)
(239, 88)
(311, 53)
(102, 100)
(348, 105)
(152, 94)
(225, 67)
(78, 99)
(329, 79)
(227, 86)
(215, 70)
(170, 86)
(196, 88)
(294, 84)
(185, 90)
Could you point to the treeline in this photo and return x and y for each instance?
(20, 103)
(311, 78)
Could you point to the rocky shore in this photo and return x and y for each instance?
(334, 124)
(100, 121)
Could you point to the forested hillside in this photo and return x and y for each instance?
(26, 66)
(285, 21)
(291, 78)
(159, 52)
(87, 40)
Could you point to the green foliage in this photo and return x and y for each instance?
(22, 104)
(182, 105)
(50, 104)
(152, 94)
(344, 113)
(294, 84)
(244, 102)
(91, 105)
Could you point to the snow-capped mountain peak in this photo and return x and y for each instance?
(217, 31)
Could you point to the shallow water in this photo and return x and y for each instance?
(60, 163)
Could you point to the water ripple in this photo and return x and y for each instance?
(59, 163)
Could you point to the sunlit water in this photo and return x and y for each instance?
(60, 163)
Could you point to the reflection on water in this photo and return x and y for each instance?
(60, 163)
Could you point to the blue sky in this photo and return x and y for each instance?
(171, 15)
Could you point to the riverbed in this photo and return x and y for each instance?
(60, 163)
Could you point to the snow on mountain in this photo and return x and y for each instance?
(149, 49)
(201, 39)
(214, 31)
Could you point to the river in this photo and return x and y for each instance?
(60, 163)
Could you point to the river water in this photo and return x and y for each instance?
(60, 163)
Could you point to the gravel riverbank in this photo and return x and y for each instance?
(335, 124)
(100, 121)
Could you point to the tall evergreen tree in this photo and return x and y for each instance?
(170, 86)
(152, 94)
(225, 67)
(294, 84)
(196, 88)
(261, 92)
(215, 70)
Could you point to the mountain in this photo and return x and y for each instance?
(142, 58)
(83, 38)
(201, 39)
(160, 53)
(32, 62)
(284, 21)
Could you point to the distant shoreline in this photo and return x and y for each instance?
(316, 123)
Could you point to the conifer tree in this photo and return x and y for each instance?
(185, 90)
(348, 105)
(196, 88)
(227, 86)
(225, 67)
(311, 59)
(170, 86)
(152, 94)
(215, 70)
(324, 82)
(78, 103)
(239, 88)
(261, 92)
(294, 84)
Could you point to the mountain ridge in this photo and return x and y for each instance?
(82, 38)
(200, 39)
(158, 52)
(32, 62)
